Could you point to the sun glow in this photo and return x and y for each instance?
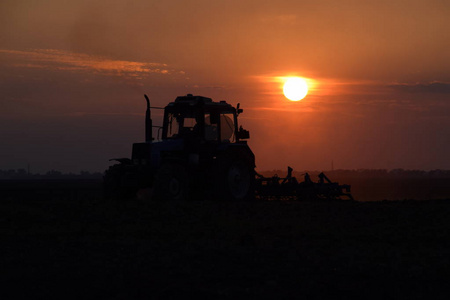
(295, 88)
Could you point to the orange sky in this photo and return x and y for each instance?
(73, 75)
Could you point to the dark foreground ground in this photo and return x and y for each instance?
(272, 250)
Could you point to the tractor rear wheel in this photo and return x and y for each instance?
(235, 179)
(171, 182)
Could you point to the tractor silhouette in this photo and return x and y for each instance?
(202, 153)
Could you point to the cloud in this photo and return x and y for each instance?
(431, 87)
(215, 87)
(284, 19)
(83, 114)
(53, 59)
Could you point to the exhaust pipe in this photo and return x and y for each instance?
(148, 123)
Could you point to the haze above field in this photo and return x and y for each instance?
(73, 75)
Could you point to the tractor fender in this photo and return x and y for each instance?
(242, 148)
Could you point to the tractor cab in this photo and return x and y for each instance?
(201, 119)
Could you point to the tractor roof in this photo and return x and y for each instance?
(192, 100)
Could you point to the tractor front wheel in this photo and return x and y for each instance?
(171, 182)
(113, 187)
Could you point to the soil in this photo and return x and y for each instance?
(273, 249)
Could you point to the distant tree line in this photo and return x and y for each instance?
(401, 173)
(363, 173)
(52, 174)
(366, 173)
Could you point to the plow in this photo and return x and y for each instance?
(201, 152)
(289, 188)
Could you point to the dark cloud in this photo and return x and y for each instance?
(432, 87)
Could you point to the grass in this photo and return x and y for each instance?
(389, 249)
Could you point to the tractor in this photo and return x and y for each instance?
(202, 153)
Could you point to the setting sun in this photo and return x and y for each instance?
(295, 88)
